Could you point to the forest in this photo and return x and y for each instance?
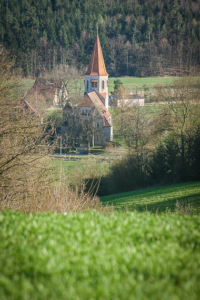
(138, 37)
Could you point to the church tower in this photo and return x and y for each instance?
(96, 77)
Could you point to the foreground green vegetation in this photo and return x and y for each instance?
(99, 256)
(180, 196)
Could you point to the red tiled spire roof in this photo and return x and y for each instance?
(97, 65)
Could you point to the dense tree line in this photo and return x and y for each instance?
(138, 37)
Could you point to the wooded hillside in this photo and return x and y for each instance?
(138, 37)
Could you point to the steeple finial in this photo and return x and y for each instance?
(97, 30)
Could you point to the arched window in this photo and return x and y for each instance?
(87, 85)
(102, 84)
(94, 83)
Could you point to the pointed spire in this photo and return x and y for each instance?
(97, 65)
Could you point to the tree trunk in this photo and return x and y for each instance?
(182, 158)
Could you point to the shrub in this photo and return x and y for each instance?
(111, 145)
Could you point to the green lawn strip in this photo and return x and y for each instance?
(24, 86)
(140, 83)
(150, 111)
(157, 199)
(99, 256)
(67, 168)
(27, 83)
(85, 167)
(77, 85)
(56, 115)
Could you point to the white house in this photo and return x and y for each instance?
(128, 100)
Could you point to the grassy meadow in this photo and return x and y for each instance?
(26, 84)
(55, 115)
(76, 170)
(133, 83)
(99, 256)
(140, 84)
(159, 199)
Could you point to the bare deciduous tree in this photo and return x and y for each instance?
(133, 125)
(180, 114)
(23, 138)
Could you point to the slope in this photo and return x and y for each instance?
(158, 199)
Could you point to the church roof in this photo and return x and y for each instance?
(86, 102)
(103, 95)
(93, 99)
(97, 65)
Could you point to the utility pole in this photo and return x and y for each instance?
(60, 145)
(127, 62)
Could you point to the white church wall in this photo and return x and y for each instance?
(99, 88)
(108, 133)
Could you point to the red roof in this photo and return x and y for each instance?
(97, 65)
(93, 99)
(103, 95)
(86, 102)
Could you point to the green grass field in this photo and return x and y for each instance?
(132, 83)
(135, 84)
(99, 256)
(158, 199)
(27, 84)
(75, 170)
(55, 115)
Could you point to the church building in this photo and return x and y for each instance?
(92, 116)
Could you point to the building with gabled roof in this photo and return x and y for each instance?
(53, 88)
(92, 113)
(92, 108)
